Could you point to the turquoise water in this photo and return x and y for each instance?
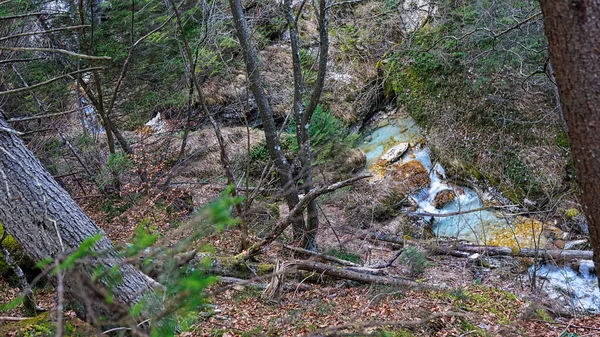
(401, 130)
(578, 290)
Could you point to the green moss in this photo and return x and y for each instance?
(571, 213)
(345, 255)
(43, 326)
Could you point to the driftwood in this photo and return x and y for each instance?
(550, 254)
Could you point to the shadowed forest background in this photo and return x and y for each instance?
(299, 168)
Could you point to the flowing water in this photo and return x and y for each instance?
(577, 289)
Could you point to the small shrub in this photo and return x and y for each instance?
(345, 255)
(259, 152)
(328, 135)
(415, 260)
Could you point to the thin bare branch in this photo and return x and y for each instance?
(14, 91)
(21, 60)
(19, 16)
(56, 50)
(50, 31)
(22, 119)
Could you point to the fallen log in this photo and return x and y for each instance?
(345, 273)
(228, 268)
(386, 237)
(550, 254)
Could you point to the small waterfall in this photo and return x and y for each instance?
(471, 226)
(577, 289)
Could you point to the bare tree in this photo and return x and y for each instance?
(573, 31)
(304, 231)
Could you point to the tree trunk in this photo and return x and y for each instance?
(47, 223)
(287, 182)
(302, 116)
(573, 30)
(547, 254)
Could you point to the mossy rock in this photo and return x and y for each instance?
(19, 256)
(408, 177)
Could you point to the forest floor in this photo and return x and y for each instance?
(498, 304)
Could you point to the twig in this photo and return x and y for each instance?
(22, 119)
(21, 60)
(12, 319)
(43, 32)
(322, 256)
(297, 211)
(9, 130)
(19, 16)
(59, 51)
(14, 91)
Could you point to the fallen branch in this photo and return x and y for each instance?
(43, 32)
(59, 51)
(22, 119)
(14, 91)
(12, 319)
(322, 256)
(554, 254)
(385, 237)
(345, 273)
(259, 285)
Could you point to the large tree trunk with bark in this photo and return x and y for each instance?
(47, 223)
(573, 30)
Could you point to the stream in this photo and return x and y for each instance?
(576, 287)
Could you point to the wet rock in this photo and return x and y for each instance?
(394, 153)
(443, 198)
(408, 177)
(560, 244)
(382, 123)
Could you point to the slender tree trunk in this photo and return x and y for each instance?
(303, 117)
(573, 30)
(45, 220)
(276, 154)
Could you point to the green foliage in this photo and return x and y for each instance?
(345, 255)
(259, 152)
(113, 207)
(396, 333)
(571, 213)
(562, 140)
(520, 174)
(118, 162)
(85, 249)
(328, 135)
(415, 260)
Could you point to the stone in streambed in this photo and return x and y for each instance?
(394, 153)
(408, 177)
(442, 198)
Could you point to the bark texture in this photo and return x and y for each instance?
(47, 223)
(284, 169)
(573, 30)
